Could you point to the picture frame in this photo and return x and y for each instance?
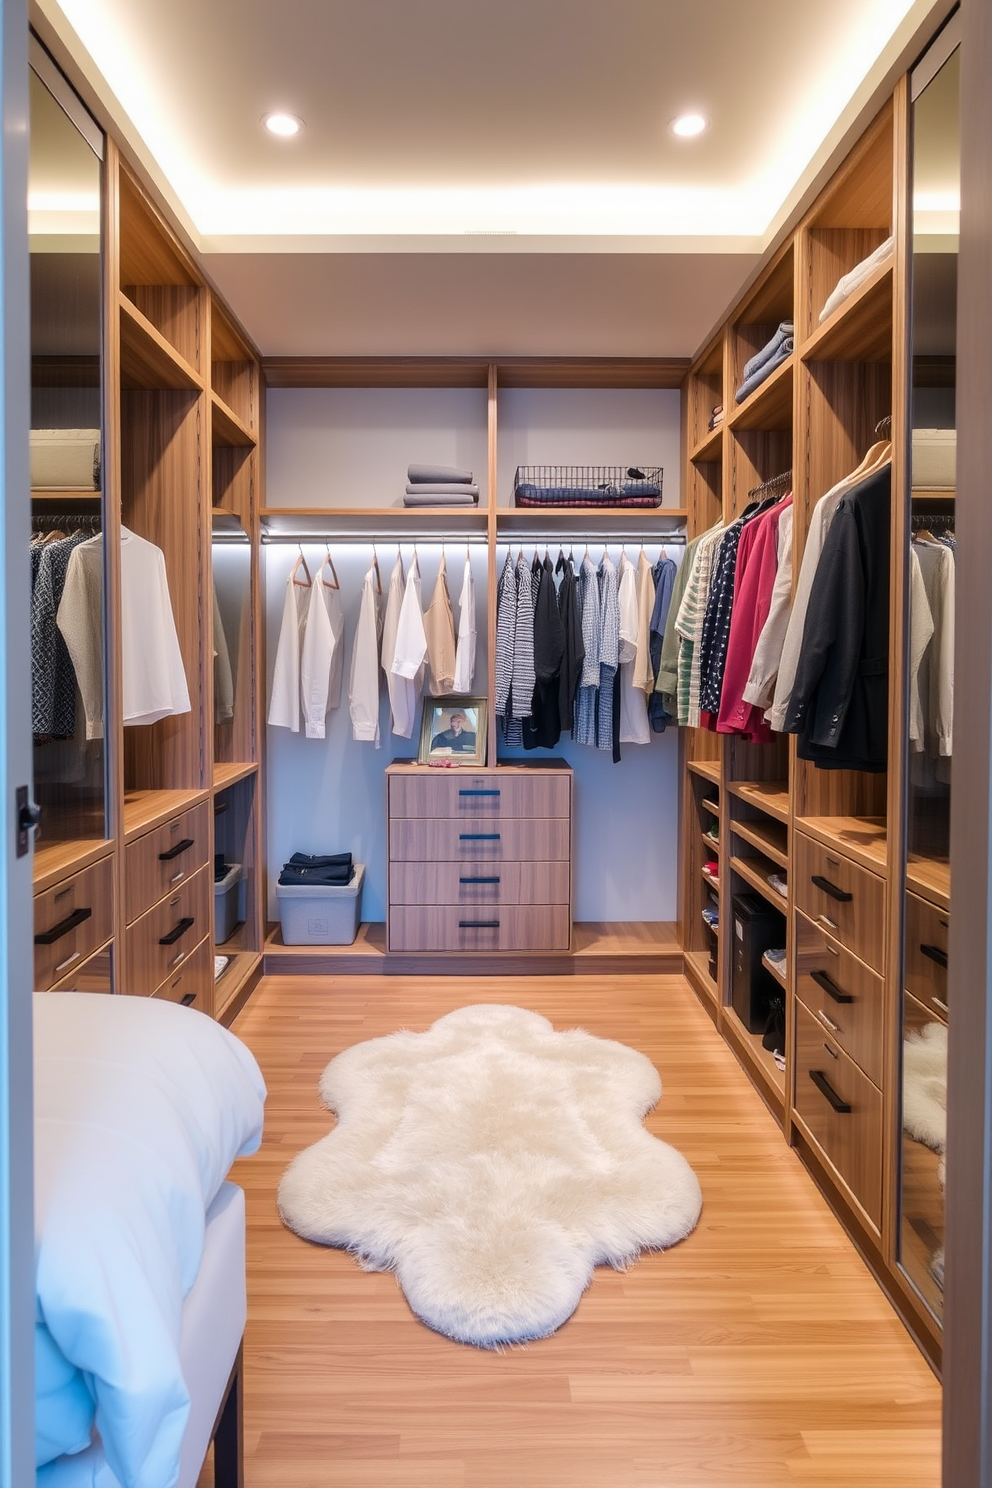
(453, 731)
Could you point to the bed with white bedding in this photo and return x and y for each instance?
(140, 1108)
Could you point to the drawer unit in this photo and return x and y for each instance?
(160, 941)
(927, 930)
(842, 898)
(165, 858)
(479, 860)
(541, 927)
(841, 1110)
(845, 996)
(192, 982)
(459, 794)
(479, 883)
(95, 974)
(479, 840)
(71, 921)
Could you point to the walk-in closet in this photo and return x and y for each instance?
(496, 685)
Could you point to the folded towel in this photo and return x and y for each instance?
(768, 351)
(433, 475)
(418, 500)
(442, 488)
(848, 283)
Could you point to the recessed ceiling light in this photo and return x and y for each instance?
(688, 125)
(284, 125)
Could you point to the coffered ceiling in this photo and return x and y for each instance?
(524, 145)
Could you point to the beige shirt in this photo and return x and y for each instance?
(439, 625)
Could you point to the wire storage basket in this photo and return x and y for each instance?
(588, 485)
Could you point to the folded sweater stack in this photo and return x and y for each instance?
(439, 485)
(318, 871)
(763, 363)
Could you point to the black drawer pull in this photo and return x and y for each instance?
(49, 937)
(177, 931)
(841, 895)
(478, 880)
(934, 953)
(188, 998)
(174, 852)
(478, 792)
(478, 924)
(829, 1093)
(478, 836)
(830, 987)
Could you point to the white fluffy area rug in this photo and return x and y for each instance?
(924, 1086)
(492, 1163)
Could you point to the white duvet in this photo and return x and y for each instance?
(140, 1108)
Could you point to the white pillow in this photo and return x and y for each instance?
(141, 1106)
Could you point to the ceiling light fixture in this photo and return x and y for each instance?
(687, 126)
(283, 125)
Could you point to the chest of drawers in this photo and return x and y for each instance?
(480, 860)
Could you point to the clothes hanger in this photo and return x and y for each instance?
(296, 569)
(378, 575)
(329, 561)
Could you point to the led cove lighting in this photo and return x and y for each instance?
(686, 126)
(284, 125)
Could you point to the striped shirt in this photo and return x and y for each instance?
(585, 706)
(609, 651)
(689, 624)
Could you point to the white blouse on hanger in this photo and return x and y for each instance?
(363, 686)
(284, 705)
(634, 727)
(154, 681)
(322, 660)
(467, 640)
(410, 655)
(402, 693)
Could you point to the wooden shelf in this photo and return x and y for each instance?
(710, 447)
(939, 495)
(862, 838)
(931, 879)
(770, 838)
(711, 883)
(770, 796)
(241, 969)
(149, 808)
(752, 871)
(758, 1059)
(770, 405)
(594, 520)
(148, 360)
(860, 330)
(86, 499)
(54, 861)
(777, 970)
(713, 806)
(225, 775)
(697, 969)
(709, 769)
(300, 522)
(709, 843)
(226, 427)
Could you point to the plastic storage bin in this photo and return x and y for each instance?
(226, 903)
(321, 916)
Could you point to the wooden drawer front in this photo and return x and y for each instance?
(494, 928)
(458, 793)
(851, 1140)
(480, 841)
(95, 974)
(181, 919)
(79, 914)
(847, 901)
(165, 858)
(842, 994)
(926, 954)
(479, 883)
(192, 982)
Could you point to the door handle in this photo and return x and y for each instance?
(478, 924)
(177, 931)
(473, 792)
(830, 986)
(478, 880)
(829, 1093)
(478, 836)
(174, 852)
(49, 937)
(934, 953)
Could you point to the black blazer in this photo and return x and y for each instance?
(839, 705)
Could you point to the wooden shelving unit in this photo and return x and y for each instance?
(708, 769)
(226, 427)
(770, 838)
(148, 360)
(770, 796)
(862, 838)
(753, 871)
(770, 405)
(54, 861)
(226, 775)
(144, 809)
(860, 330)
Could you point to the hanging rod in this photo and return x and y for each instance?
(368, 540)
(611, 539)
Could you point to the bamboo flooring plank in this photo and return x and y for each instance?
(758, 1354)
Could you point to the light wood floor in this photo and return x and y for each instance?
(758, 1354)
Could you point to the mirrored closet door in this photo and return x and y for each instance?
(930, 663)
(67, 618)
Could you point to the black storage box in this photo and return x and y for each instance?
(755, 928)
